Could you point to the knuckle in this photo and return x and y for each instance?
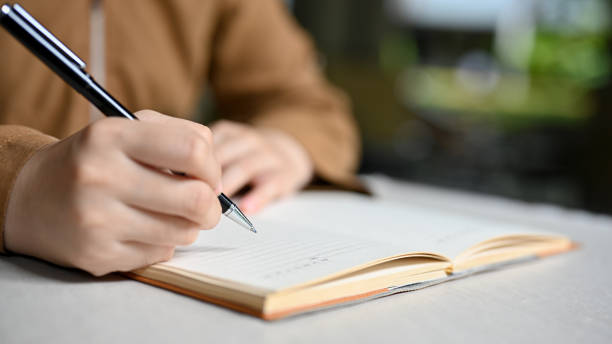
(102, 131)
(86, 172)
(145, 113)
(88, 135)
(88, 169)
(251, 138)
(199, 200)
(206, 133)
(223, 125)
(197, 149)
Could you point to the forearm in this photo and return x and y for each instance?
(265, 73)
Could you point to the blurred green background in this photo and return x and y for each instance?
(506, 97)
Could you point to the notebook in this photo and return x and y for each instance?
(323, 249)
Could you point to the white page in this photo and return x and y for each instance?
(278, 256)
(412, 227)
(316, 234)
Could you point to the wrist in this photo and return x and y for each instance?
(19, 217)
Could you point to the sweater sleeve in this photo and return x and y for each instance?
(264, 72)
(17, 145)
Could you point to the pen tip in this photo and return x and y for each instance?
(237, 216)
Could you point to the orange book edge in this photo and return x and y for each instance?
(246, 310)
(278, 315)
(553, 252)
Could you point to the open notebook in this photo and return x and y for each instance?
(321, 249)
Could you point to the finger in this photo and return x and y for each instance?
(242, 171)
(155, 228)
(264, 191)
(159, 192)
(156, 117)
(229, 151)
(175, 147)
(133, 255)
(224, 131)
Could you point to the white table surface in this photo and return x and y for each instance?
(565, 299)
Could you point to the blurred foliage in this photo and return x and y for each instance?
(440, 105)
(397, 50)
(584, 59)
(438, 89)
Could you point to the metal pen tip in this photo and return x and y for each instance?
(236, 215)
(248, 223)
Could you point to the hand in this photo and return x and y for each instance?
(270, 161)
(101, 201)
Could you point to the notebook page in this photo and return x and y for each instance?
(414, 228)
(316, 234)
(278, 256)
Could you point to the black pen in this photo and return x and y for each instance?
(65, 63)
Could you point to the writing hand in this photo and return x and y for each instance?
(100, 200)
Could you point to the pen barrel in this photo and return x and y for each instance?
(65, 68)
(102, 100)
(71, 69)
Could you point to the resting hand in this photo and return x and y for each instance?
(101, 201)
(270, 161)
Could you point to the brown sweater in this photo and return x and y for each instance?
(160, 54)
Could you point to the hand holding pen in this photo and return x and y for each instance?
(99, 200)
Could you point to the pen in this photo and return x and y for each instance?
(65, 63)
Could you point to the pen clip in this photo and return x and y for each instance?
(38, 27)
